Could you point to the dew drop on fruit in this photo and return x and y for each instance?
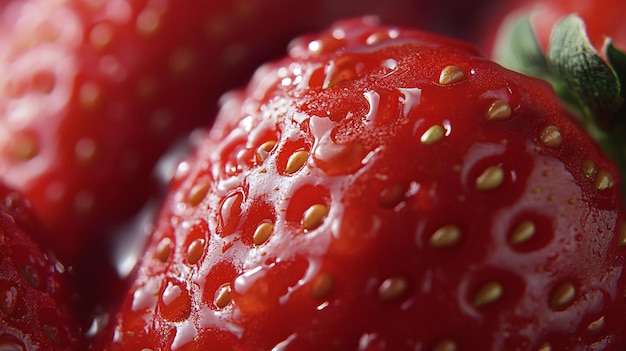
(8, 298)
(31, 276)
(176, 302)
(145, 296)
(339, 159)
(411, 98)
(230, 213)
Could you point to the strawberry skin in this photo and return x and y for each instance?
(35, 295)
(384, 189)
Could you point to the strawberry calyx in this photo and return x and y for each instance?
(588, 80)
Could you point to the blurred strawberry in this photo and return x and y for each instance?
(35, 296)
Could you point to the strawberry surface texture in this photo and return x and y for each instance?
(36, 298)
(384, 189)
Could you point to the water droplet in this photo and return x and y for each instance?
(146, 296)
(8, 298)
(411, 98)
(230, 213)
(176, 302)
(339, 159)
(373, 100)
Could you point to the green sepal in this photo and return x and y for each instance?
(590, 79)
(516, 47)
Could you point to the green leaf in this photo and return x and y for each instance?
(516, 47)
(590, 79)
(617, 59)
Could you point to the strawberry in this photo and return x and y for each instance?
(35, 295)
(384, 189)
(579, 46)
(94, 91)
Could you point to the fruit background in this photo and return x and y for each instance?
(101, 99)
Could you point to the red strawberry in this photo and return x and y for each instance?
(385, 189)
(34, 293)
(579, 46)
(94, 91)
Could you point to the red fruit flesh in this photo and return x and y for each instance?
(35, 297)
(384, 189)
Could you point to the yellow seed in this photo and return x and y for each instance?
(296, 161)
(432, 135)
(264, 150)
(198, 193)
(445, 345)
(551, 137)
(499, 110)
(195, 251)
(445, 236)
(596, 326)
(163, 250)
(590, 168)
(522, 232)
(262, 233)
(314, 216)
(487, 294)
(604, 180)
(451, 74)
(392, 288)
(491, 178)
(322, 285)
(562, 295)
(223, 297)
